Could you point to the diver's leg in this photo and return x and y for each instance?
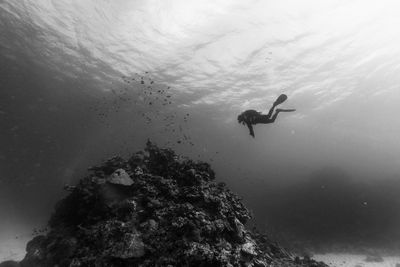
(277, 112)
(285, 110)
(271, 110)
(271, 120)
(264, 119)
(268, 118)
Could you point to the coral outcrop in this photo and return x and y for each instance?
(155, 209)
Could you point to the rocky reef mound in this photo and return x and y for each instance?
(154, 209)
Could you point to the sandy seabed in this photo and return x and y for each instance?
(12, 249)
(349, 260)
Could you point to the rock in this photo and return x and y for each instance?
(249, 247)
(199, 252)
(68, 187)
(239, 230)
(98, 180)
(260, 263)
(138, 171)
(130, 246)
(137, 160)
(121, 177)
(150, 225)
(153, 225)
(171, 213)
(34, 252)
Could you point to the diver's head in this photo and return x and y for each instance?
(241, 118)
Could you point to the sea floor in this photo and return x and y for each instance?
(349, 260)
(15, 250)
(12, 249)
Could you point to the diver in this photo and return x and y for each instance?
(252, 117)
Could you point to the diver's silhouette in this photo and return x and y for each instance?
(251, 117)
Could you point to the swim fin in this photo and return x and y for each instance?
(285, 110)
(282, 98)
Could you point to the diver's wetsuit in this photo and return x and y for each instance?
(267, 118)
(251, 117)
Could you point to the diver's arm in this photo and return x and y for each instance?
(250, 129)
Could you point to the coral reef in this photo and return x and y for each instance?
(155, 209)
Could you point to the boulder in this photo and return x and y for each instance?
(120, 177)
(171, 213)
